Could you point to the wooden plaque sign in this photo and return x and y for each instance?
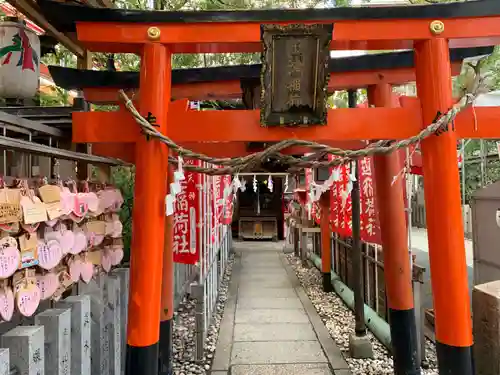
(294, 74)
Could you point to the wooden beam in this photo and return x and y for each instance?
(84, 61)
(29, 10)
(30, 125)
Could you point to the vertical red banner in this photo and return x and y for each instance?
(186, 218)
(334, 205)
(370, 229)
(348, 203)
(341, 189)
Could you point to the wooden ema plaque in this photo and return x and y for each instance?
(294, 75)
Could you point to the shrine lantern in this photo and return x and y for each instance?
(19, 60)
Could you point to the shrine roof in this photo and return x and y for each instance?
(75, 79)
(65, 16)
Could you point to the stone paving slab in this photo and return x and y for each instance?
(262, 272)
(265, 284)
(269, 292)
(263, 316)
(261, 265)
(269, 352)
(264, 277)
(294, 369)
(270, 303)
(274, 332)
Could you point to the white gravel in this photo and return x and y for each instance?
(339, 320)
(184, 335)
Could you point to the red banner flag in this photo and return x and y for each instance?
(186, 219)
(334, 204)
(348, 203)
(370, 228)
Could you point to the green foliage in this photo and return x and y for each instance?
(58, 97)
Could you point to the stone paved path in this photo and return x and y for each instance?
(270, 327)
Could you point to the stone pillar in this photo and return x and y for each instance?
(4, 362)
(486, 316)
(26, 349)
(123, 275)
(99, 347)
(80, 333)
(113, 322)
(57, 328)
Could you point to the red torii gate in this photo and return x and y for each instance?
(429, 30)
(390, 68)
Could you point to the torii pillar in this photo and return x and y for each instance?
(146, 263)
(398, 274)
(444, 213)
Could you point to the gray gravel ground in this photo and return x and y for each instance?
(339, 321)
(184, 362)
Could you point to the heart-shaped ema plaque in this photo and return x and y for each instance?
(6, 303)
(10, 258)
(80, 206)
(80, 242)
(92, 201)
(117, 229)
(67, 201)
(106, 260)
(87, 271)
(117, 255)
(105, 199)
(67, 241)
(49, 254)
(47, 284)
(75, 268)
(28, 299)
(117, 200)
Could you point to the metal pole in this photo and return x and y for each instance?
(359, 303)
(409, 194)
(167, 294)
(483, 163)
